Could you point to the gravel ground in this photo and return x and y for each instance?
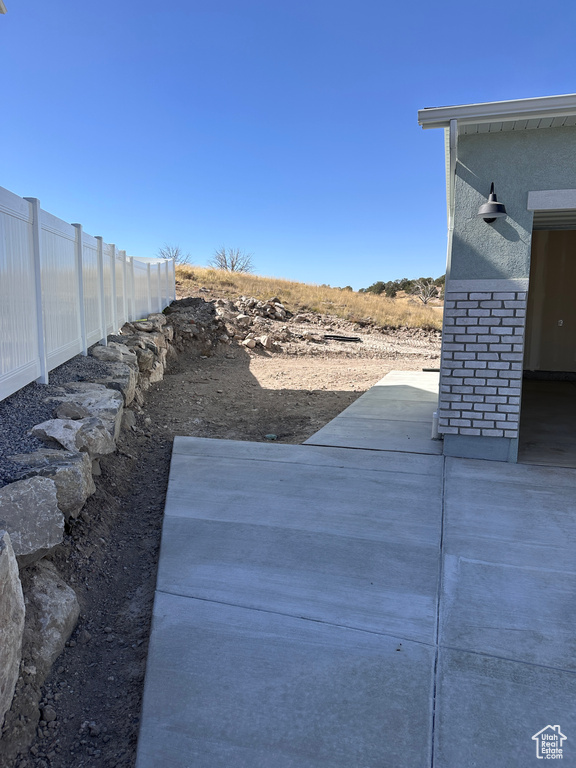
(30, 406)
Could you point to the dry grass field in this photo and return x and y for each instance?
(401, 312)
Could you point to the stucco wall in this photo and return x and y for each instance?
(487, 282)
(517, 162)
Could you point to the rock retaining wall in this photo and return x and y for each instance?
(38, 611)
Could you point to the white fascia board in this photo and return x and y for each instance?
(518, 109)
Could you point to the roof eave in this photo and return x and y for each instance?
(518, 109)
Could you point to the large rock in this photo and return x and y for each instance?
(146, 359)
(154, 322)
(114, 353)
(144, 325)
(11, 623)
(87, 435)
(70, 471)
(157, 338)
(52, 611)
(122, 378)
(158, 319)
(141, 341)
(96, 400)
(29, 512)
(157, 372)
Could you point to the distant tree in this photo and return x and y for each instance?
(425, 289)
(174, 252)
(232, 260)
(376, 288)
(392, 287)
(441, 283)
(347, 288)
(405, 285)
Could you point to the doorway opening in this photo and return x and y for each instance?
(548, 411)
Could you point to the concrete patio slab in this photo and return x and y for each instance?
(377, 585)
(422, 381)
(488, 709)
(345, 545)
(510, 513)
(320, 456)
(379, 435)
(527, 614)
(385, 407)
(379, 505)
(394, 415)
(228, 687)
(336, 606)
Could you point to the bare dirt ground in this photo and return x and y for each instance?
(110, 554)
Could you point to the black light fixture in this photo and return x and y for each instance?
(492, 210)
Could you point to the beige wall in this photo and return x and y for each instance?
(549, 344)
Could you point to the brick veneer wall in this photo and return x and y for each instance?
(481, 369)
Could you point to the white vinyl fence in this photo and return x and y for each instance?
(62, 290)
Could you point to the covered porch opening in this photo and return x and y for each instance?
(548, 412)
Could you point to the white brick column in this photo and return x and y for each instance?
(482, 358)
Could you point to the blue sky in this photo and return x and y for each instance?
(286, 129)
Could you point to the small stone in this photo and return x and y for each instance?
(266, 341)
(128, 419)
(271, 436)
(48, 714)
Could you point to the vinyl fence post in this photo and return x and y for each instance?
(37, 249)
(101, 296)
(159, 285)
(173, 280)
(124, 285)
(149, 289)
(79, 271)
(132, 286)
(114, 289)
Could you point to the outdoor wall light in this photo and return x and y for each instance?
(492, 210)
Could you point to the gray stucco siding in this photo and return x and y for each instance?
(517, 162)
